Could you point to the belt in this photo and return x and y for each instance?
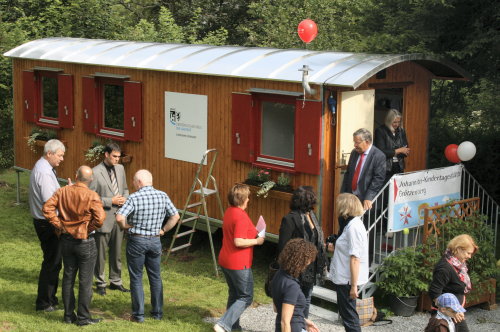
(69, 237)
(140, 235)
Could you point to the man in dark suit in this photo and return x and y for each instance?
(366, 169)
(111, 184)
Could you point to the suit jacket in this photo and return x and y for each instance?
(372, 176)
(102, 185)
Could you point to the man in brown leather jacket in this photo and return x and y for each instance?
(80, 214)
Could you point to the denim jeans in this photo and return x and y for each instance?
(78, 256)
(240, 291)
(48, 279)
(145, 251)
(347, 309)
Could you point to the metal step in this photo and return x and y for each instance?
(191, 231)
(189, 219)
(206, 191)
(323, 313)
(180, 247)
(190, 206)
(325, 294)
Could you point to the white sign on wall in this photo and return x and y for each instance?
(185, 126)
(410, 193)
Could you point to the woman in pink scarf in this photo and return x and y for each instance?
(450, 275)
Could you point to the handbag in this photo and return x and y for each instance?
(366, 311)
(273, 268)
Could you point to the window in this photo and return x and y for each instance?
(112, 107)
(276, 131)
(48, 97)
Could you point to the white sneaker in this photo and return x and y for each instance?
(218, 328)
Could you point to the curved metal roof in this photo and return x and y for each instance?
(328, 68)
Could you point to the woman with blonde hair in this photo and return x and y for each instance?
(349, 265)
(239, 236)
(289, 301)
(450, 275)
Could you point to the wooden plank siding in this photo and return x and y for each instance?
(175, 177)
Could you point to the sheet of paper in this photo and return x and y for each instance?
(261, 227)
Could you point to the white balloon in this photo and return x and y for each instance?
(466, 151)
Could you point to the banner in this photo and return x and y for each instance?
(410, 193)
(185, 126)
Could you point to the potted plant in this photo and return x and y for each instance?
(39, 136)
(404, 275)
(283, 183)
(94, 153)
(256, 176)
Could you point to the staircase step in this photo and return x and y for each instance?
(206, 191)
(190, 206)
(191, 231)
(323, 313)
(325, 294)
(189, 219)
(180, 247)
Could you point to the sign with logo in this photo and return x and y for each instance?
(410, 193)
(185, 126)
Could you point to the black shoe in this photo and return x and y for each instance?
(101, 290)
(136, 320)
(119, 287)
(47, 309)
(70, 319)
(89, 321)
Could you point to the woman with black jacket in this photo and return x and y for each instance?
(450, 275)
(391, 139)
(301, 222)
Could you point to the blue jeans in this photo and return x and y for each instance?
(347, 309)
(240, 284)
(145, 251)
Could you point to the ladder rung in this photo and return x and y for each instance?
(189, 219)
(180, 247)
(206, 191)
(193, 205)
(191, 231)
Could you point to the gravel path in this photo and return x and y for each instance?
(261, 319)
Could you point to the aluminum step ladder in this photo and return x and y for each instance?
(195, 201)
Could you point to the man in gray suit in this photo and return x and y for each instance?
(365, 173)
(111, 184)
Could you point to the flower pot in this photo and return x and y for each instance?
(404, 305)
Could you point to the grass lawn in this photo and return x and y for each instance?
(191, 290)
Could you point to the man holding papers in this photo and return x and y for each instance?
(236, 255)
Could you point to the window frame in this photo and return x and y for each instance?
(102, 129)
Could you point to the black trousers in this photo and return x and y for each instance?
(78, 256)
(51, 265)
(347, 309)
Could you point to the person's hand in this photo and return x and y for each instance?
(118, 200)
(458, 317)
(161, 232)
(330, 247)
(260, 240)
(353, 293)
(310, 326)
(367, 205)
(70, 183)
(403, 150)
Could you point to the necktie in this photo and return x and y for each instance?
(355, 178)
(114, 184)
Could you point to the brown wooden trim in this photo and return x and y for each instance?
(390, 85)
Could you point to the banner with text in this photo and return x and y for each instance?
(410, 193)
(185, 126)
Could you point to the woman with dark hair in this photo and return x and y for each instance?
(288, 299)
(301, 222)
(450, 275)
(239, 236)
(391, 139)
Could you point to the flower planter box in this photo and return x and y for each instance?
(486, 298)
(276, 194)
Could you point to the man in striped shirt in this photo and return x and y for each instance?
(142, 215)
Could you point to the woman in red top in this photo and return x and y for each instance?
(235, 257)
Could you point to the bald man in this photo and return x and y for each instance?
(147, 208)
(80, 214)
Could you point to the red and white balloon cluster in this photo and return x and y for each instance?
(457, 153)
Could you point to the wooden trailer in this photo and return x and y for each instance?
(284, 110)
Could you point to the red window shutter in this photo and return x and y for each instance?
(308, 137)
(29, 93)
(65, 95)
(89, 102)
(242, 129)
(132, 110)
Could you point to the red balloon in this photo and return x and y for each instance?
(307, 30)
(450, 152)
